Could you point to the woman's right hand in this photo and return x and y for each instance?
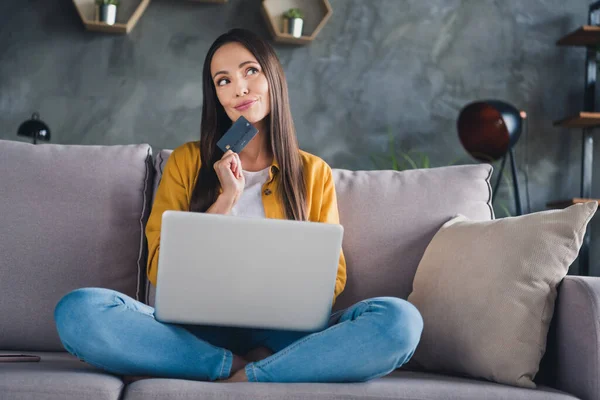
(229, 172)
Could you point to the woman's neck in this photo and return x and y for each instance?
(257, 154)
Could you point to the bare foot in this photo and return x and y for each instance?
(237, 364)
(239, 376)
(260, 353)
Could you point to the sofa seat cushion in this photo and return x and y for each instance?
(400, 385)
(57, 376)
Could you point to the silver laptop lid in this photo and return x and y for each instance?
(249, 272)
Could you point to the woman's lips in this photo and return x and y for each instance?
(245, 105)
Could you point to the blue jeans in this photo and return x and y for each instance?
(118, 334)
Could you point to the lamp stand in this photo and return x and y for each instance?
(499, 178)
(513, 167)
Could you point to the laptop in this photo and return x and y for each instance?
(236, 271)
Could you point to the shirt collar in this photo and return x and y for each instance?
(275, 164)
(274, 169)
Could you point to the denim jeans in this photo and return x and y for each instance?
(120, 335)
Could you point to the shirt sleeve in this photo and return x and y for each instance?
(329, 214)
(171, 194)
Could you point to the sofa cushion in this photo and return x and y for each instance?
(389, 218)
(398, 385)
(72, 216)
(57, 376)
(486, 291)
(159, 164)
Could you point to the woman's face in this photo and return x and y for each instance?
(240, 83)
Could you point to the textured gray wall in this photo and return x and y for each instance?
(404, 65)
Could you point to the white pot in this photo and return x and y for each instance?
(108, 13)
(295, 27)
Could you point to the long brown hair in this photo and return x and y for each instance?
(282, 138)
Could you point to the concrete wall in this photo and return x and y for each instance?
(378, 66)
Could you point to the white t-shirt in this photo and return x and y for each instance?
(250, 202)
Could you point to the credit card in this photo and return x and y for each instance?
(238, 136)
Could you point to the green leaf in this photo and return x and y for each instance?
(107, 2)
(392, 146)
(379, 161)
(426, 163)
(293, 13)
(408, 159)
(395, 165)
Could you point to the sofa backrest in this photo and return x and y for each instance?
(389, 218)
(71, 216)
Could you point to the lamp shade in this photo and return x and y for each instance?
(34, 128)
(489, 129)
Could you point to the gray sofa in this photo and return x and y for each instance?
(73, 216)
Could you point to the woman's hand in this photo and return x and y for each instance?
(229, 172)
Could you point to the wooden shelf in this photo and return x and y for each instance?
(586, 35)
(106, 28)
(316, 15)
(581, 120)
(289, 39)
(569, 202)
(128, 14)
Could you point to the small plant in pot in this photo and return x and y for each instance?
(108, 10)
(293, 22)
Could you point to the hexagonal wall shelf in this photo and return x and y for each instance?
(128, 14)
(316, 13)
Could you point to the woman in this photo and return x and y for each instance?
(270, 178)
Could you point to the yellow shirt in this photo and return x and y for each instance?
(179, 179)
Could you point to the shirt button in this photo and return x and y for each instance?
(268, 192)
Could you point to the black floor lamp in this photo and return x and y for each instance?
(488, 130)
(35, 128)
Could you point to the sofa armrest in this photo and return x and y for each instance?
(577, 345)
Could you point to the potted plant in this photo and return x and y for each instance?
(108, 10)
(293, 20)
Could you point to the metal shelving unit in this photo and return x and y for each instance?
(587, 36)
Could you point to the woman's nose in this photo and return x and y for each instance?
(241, 90)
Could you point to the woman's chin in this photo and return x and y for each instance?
(253, 118)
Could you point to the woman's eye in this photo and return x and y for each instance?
(221, 82)
(253, 70)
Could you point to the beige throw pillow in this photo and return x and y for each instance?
(486, 291)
